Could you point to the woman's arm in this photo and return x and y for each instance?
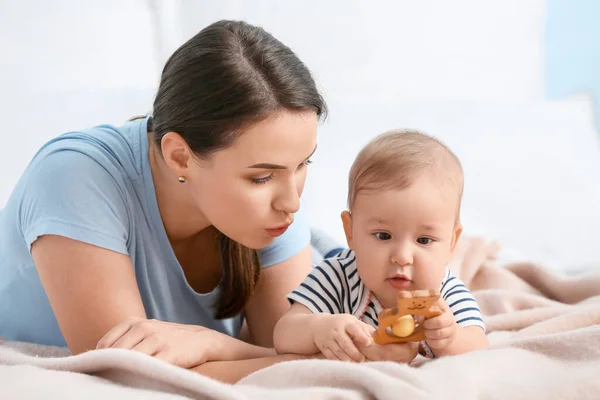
(93, 291)
(233, 371)
(269, 302)
(183, 345)
(90, 289)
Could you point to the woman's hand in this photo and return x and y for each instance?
(398, 352)
(185, 346)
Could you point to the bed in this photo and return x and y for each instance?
(532, 171)
(544, 333)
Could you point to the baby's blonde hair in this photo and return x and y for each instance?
(393, 160)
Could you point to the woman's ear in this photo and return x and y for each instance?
(176, 153)
(347, 222)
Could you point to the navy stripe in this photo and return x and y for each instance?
(324, 289)
(355, 301)
(344, 266)
(469, 319)
(345, 255)
(371, 318)
(353, 273)
(349, 298)
(466, 309)
(349, 263)
(455, 292)
(461, 300)
(307, 298)
(333, 252)
(445, 283)
(343, 294)
(357, 284)
(304, 285)
(328, 277)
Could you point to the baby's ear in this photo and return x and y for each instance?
(347, 222)
(458, 229)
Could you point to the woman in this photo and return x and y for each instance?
(191, 216)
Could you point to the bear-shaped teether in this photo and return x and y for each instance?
(397, 325)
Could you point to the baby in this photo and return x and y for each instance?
(402, 227)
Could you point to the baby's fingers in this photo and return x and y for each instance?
(349, 350)
(359, 334)
(369, 330)
(436, 344)
(439, 334)
(439, 322)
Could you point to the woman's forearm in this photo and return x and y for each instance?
(233, 371)
(232, 349)
(246, 351)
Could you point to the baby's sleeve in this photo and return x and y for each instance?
(461, 302)
(322, 290)
(463, 305)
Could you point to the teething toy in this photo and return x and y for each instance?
(403, 326)
(397, 325)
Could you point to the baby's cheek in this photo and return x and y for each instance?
(430, 278)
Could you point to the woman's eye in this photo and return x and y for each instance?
(424, 240)
(305, 164)
(382, 235)
(262, 180)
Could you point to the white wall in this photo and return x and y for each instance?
(70, 44)
(468, 71)
(399, 50)
(67, 64)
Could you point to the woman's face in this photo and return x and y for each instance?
(251, 190)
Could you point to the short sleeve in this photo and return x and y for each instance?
(322, 290)
(463, 305)
(461, 302)
(69, 193)
(292, 242)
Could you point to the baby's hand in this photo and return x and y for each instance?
(338, 335)
(440, 331)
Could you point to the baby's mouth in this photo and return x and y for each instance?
(399, 282)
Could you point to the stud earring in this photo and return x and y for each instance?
(181, 179)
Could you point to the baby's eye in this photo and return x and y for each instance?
(382, 235)
(424, 240)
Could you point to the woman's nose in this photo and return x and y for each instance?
(288, 199)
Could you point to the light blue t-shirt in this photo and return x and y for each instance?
(95, 186)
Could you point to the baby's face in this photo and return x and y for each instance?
(403, 239)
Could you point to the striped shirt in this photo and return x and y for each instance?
(335, 287)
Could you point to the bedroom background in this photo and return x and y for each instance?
(512, 86)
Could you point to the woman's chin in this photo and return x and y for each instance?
(256, 242)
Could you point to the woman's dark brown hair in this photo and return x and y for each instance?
(226, 78)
